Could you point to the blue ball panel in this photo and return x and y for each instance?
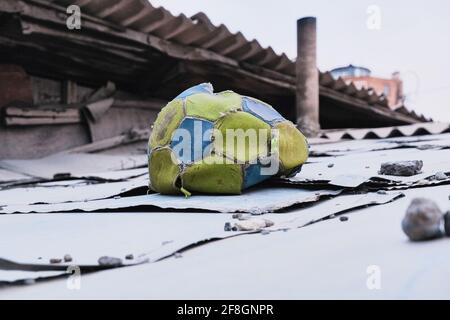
(200, 88)
(253, 175)
(194, 148)
(261, 110)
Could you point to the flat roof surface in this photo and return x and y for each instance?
(170, 247)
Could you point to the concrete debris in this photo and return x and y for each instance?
(401, 168)
(109, 261)
(253, 224)
(67, 258)
(422, 182)
(426, 147)
(440, 176)
(240, 216)
(62, 175)
(422, 220)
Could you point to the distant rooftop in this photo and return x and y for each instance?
(350, 71)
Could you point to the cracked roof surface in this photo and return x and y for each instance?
(163, 241)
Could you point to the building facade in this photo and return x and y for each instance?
(362, 78)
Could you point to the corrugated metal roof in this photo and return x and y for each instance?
(257, 201)
(154, 235)
(155, 238)
(387, 132)
(199, 31)
(327, 260)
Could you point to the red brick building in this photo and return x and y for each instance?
(361, 77)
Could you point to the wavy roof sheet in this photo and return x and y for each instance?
(199, 31)
(418, 129)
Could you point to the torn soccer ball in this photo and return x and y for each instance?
(220, 143)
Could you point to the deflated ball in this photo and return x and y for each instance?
(220, 143)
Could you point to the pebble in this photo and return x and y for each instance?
(343, 218)
(426, 147)
(227, 226)
(422, 182)
(237, 216)
(264, 232)
(401, 168)
(440, 176)
(67, 258)
(109, 261)
(62, 175)
(381, 192)
(129, 257)
(330, 165)
(422, 220)
(253, 224)
(55, 260)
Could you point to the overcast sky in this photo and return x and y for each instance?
(413, 37)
